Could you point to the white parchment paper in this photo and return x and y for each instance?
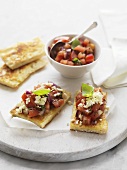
(10, 97)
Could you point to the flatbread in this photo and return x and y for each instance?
(13, 78)
(22, 53)
(44, 119)
(101, 127)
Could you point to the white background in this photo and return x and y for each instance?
(48, 18)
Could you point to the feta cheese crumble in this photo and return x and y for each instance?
(40, 100)
(96, 98)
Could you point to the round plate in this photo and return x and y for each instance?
(58, 145)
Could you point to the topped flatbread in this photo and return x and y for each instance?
(42, 104)
(89, 110)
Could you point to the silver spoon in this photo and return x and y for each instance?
(53, 50)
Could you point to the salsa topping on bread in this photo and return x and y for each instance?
(42, 99)
(89, 110)
(90, 105)
(41, 104)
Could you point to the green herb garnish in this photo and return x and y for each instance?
(42, 107)
(75, 43)
(42, 92)
(87, 90)
(75, 60)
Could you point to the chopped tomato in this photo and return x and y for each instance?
(31, 103)
(81, 55)
(102, 107)
(60, 56)
(83, 61)
(95, 107)
(64, 62)
(85, 42)
(62, 38)
(58, 103)
(79, 48)
(95, 116)
(89, 58)
(70, 63)
(33, 112)
(79, 96)
(86, 120)
(61, 101)
(24, 96)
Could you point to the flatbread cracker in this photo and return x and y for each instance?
(22, 53)
(76, 123)
(46, 118)
(13, 78)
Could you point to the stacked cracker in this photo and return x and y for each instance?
(21, 61)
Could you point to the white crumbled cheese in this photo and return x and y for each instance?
(27, 100)
(59, 89)
(80, 123)
(100, 112)
(54, 88)
(83, 101)
(96, 98)
(22, 109)
(40, 100)
(57, 94)
(77, 122)
(80, 117)
(80, 104)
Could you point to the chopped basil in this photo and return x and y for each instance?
(42, 107)
(76, 60)
(75, 43)
(42, 92)
(87, 90)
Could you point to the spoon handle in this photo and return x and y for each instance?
(94, 24)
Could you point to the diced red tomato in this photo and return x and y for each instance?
(95, 107)
(70, 63)
(62, 38)
(31, 103)
(85, 42)
(60, 56)
(81, 55)
(83, 61)
(89, 58)
(94, 116)
(64, 62)
(79, 48)
(61, 101)
(33, 113)
(24, 96)
(102, 107)
(86, 120)
(79, 96)
(58, 103)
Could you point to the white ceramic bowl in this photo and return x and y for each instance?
(73, 71)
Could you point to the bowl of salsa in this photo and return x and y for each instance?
(73, 59)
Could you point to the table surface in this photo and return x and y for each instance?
(48, 18)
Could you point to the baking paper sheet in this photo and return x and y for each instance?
(10, 97)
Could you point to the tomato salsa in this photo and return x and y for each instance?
(80, 52)
(41, 100)
(90, 107)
